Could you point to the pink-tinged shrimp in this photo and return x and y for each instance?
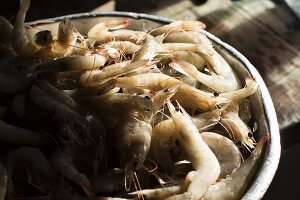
(16, 135)
(73, 63)
(203, 160)
(97, 77)
(234, 186)
(179, 26)
(21, 43)
(186, 95)
(236, 127)
(3, 181)
(65, 166)
(103, 30)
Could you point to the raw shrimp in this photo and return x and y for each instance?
(178, 26)
(96, 77)
(216, 82)
(13, 83)
(3, 181)
(191, 58)
(21, 43)
(55, 93)
(203, 160)
(102, 31)
(123, 47)
(134, 138)
(17, 135)
(34, 160)
(160, 193)
(26, 109)
(234, 186)
(65, 166)
(236, 127)
(73, 63)
(249, 89)
(150, 49)
(6, 49)
(186, 95)
(225, 150)
(42, 99)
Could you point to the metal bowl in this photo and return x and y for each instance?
(261, 102)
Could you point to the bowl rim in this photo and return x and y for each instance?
(270, 164)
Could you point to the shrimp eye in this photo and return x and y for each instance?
(166, 90)
(147, 97)
(216, 94)
(177, 109)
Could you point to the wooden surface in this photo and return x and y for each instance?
(268, 34)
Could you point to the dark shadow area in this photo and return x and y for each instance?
(46, 9)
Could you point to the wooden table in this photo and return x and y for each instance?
(267, 33)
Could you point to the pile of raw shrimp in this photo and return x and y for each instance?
(122, 114)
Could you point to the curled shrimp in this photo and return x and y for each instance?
(234, 185)
(21, 43)
(203, 160)
(186, 94)
(179, 26)
(236, 127)
(65, 166)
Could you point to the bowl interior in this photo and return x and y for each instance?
(262, 106)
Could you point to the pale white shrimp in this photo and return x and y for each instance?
(123, 47)
(150, 48)
(203, 160)
(250, 88)
(191, 58)
(186, 94)
(73, 63)
(179, 26)
(21, 43)
(97, 77)
(236, 127)
(160, 193)
(225, 150)
(216, 82)
(3, 181)
(234, 186)
(102, 31)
